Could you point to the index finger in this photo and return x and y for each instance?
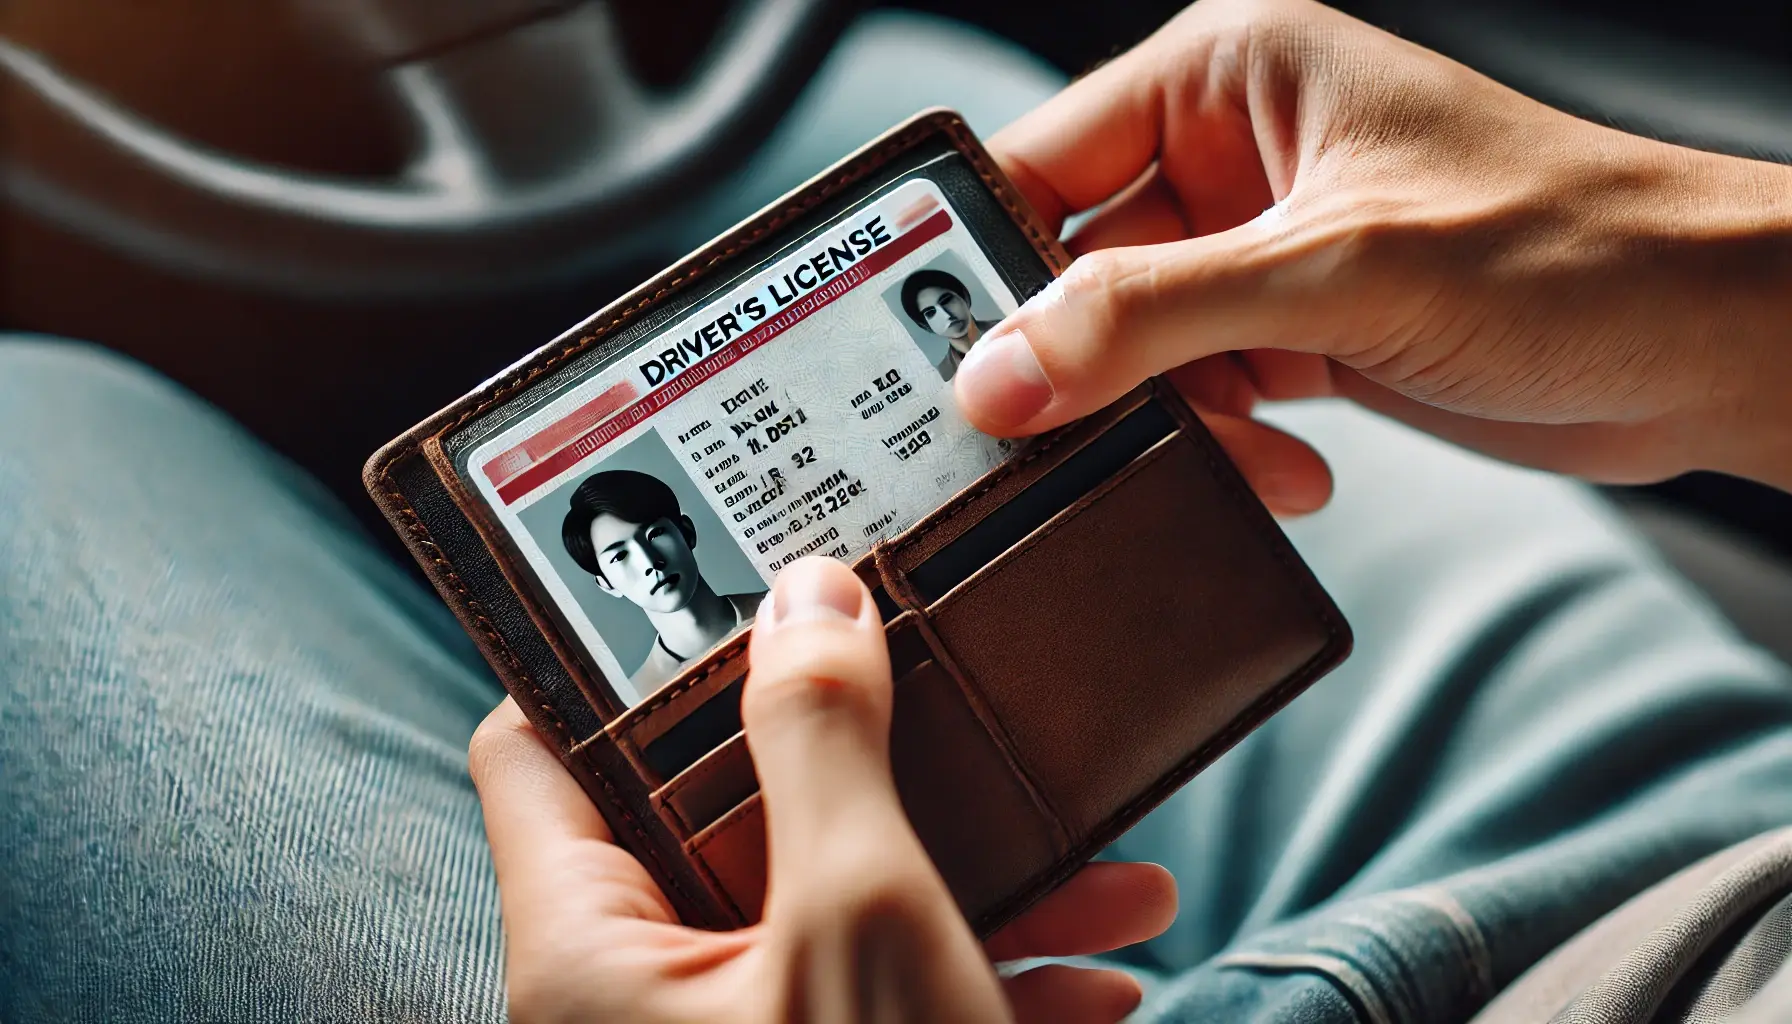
(1088, 142)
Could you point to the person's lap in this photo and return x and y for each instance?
(233, 734)
(233, 737)
(1538, 722)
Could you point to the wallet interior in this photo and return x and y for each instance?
(1050, 569)
(1072, 636)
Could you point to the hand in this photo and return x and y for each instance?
(1435, 246)
(858, 925)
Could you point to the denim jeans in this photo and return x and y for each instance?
(232, 731)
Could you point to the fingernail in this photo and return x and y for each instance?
(815, 589)
(1000, 384)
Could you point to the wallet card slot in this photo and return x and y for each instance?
(698, 733)
(1148, 605)
(679, 746)
(963, 793)
(718, 782)
(1044, 498)
(733, 849)
(887, 608)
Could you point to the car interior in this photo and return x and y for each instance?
(332, 218)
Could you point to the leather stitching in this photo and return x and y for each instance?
(998, 183)
(1104, 832)
(726, 657)
(896, 582)
(698, 772)
(513, 381)
(693, 849)
(726, 821)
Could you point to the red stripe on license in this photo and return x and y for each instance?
(527, 480)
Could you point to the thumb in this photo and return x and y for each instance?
(860, 920)
(817, 709)
(1118, 316)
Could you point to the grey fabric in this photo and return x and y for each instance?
(1696, 948)
(1751, 583)
(1773, 1005)
(1538, 723)
(1730, 978)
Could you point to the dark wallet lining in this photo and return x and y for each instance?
(700, 732)
(719, 718)
(1051, 494)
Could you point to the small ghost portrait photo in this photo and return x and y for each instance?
(946, 310)
(651, 566)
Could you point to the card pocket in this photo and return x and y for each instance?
(1157, 609)
(1066, 483)
(695, 714)
(702, 793)
(733, 849)
(974, 815)
(708, 725)
(977, 817)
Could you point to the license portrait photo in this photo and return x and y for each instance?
(651, 566)
(945, 309)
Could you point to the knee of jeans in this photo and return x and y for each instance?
(69, 404)
(44, 376)
(90, 438)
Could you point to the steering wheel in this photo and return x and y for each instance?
(535, 149)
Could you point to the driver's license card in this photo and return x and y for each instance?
(807, 410)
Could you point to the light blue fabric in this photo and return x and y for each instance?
(1538, 722)
(232, 734)
(233, 740)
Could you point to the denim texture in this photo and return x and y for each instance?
(232, 732)
(233, 740)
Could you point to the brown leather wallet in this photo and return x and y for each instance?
(1074, 635)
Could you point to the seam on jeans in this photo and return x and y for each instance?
(1352, 983)
(1467, 929)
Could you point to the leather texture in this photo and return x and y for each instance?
(1073, 636)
